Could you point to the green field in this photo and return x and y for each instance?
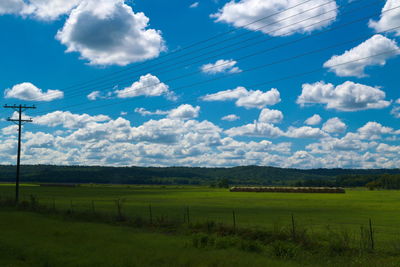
(318, 213)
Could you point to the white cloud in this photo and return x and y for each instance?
(389, 18)
(148, 85)
(177, 142)
(256, 129)
(313, 120)
(395, 112)
(363, 56)
(145, 112)
(334, 125)
(221, 66)
(184, 112)
(388, 148)
(67, 119)
(230, 117)
(108, 32)
(94, 95)
(28, 91)
(247, 98)
(373, 130)
(348, 96)
(270, 116)
(194, 5)
(39, 9)
(243, 14)
(305, 132)
(14, 7)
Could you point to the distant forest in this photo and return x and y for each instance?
(243, 175)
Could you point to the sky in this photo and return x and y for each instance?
(285, 83)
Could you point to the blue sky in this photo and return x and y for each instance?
(303, 84)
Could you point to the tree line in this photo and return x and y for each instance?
(241, 175)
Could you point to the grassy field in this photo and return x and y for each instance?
(29, 239)
(318, 213)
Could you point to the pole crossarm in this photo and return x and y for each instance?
(19, 109)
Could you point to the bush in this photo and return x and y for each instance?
(284, 249)
(202, 240)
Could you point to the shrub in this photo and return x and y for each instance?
(202, 240)
(284, 249)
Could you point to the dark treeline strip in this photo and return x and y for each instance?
(242, 175)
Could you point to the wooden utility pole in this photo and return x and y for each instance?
(19, 122)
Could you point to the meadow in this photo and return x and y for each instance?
(317, 214)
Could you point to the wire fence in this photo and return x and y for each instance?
(381, 235)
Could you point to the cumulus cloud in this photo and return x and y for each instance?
(313, 120)
(230, 117)
(221, 66)
(256, 129)
(373, 130)
(270, 116)
(189, 142)
(14, 7)
(348, 96)
(334, 125)
(363, 56)
(243, 14)
(108, 32)
(395, 112)
(305, 132)
(39, 9)
(247, 98)
(145, 112)
(389, 18)
(184, 112)
(148, 85)
(68, 120)
(28, 91)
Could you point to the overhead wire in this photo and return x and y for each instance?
(113, 82)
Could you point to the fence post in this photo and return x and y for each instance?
(293, 228)
(151, 214)
(187, 215)
(371, 234)
(234, 220)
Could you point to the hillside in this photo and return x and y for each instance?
(177, 175)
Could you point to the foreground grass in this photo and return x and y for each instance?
(29, 239)
(59, 239)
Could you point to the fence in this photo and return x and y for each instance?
(369, 234)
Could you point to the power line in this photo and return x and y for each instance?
(203, 41)
(234, 50)
(250, 69)
(247, 56)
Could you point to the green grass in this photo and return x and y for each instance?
(316, 212)
(252, 209)
(29, 239)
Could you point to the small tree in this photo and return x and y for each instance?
(373, 185)
(223, 183)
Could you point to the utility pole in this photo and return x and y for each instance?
(19, 122)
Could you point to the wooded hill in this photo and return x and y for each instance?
(250, 175)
